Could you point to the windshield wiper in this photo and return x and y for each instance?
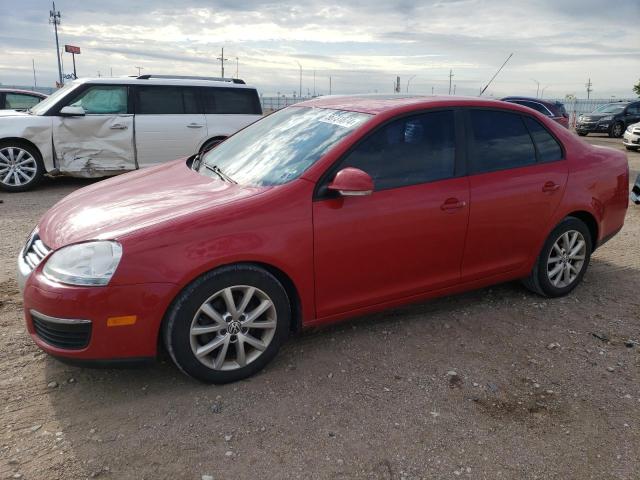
(215, 169)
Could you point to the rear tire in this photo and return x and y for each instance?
(563, 260)
(582, 134)
(227, 324)
(21, 166)
(616, 130)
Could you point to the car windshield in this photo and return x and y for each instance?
(281, 146)
(52, 99)
(610, 108)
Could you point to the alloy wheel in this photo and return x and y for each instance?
(617, 130)
(17, 166)
(566, 259)
(233, 327)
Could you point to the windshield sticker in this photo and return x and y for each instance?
(342, 119)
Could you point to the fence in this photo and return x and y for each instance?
(579, 106)
(271, 104)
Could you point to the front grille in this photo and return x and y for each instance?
(61, 333)
(35, 251)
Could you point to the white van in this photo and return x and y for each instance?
(105, 126)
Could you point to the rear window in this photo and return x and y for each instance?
(242, 101)
(161, 100)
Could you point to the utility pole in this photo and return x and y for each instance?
(237, 66)
(450, 78)
(431, 90)
(222, 59)
(454, 88)
(54, 17)
(314, 83)
(329, 84)
(33, 64)
(589, 89)
(111, 71)
(300, 88)
(139, 70)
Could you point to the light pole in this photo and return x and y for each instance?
(237, 66)
(409, 81)
(139, 70)
(54, 17)
(538, 89)
(222, 59)
(542, 94)
(300, 88)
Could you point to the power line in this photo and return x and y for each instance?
(54, 17)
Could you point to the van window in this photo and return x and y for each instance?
(499, 140)
(103, 100)
(166, 100)
(243, 101)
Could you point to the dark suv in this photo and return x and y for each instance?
(611, 118)
(552, 109)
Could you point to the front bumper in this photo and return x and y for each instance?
(635, 192)
(631, 139)
(86, 310)
(593, 127)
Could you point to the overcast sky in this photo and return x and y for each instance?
(361, 44)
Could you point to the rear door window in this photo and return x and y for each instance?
(499, 140)
(549, 149)
(166, 100)
(243, 101)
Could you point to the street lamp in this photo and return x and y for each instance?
(300, 90)
(538, 89)
(409, 81)
(542, 95)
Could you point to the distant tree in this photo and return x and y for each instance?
(636, 88)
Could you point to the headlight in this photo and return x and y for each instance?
(608, 117)
(91, 263)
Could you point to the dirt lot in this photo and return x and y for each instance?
(535, 394)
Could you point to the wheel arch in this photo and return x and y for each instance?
(281, 276)
(24, 141)
(590, 221)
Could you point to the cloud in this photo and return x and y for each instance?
(362, 45)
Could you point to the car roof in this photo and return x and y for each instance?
(192, 82)
(375, 104)
(530, 99)
(19, 90)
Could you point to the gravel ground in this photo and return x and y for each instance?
(495, 383)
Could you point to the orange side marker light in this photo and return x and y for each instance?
(121, 321)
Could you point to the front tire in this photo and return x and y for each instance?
(563, 260)
(228, 324)
(21, 166)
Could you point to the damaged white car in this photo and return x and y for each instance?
(106, 126)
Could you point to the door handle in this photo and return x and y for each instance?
(550, 187)
(452, 204)
(118, 126)
(195, 125)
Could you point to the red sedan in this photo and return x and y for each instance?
(329, 209)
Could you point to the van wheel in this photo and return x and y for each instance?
(563, 260)
(227, 324)
(21, 166)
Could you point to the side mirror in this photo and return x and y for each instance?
(69, 111)
(352, 182)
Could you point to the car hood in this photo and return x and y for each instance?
(116, 207)
(13, 113)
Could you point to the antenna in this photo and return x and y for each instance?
(496, 74)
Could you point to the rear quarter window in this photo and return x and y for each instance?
(549, 150)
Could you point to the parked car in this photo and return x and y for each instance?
(552, 109)
(325, 210)
(631, 139)
(635, 191)
(15, 99)
(612, 118)
(106, 126)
